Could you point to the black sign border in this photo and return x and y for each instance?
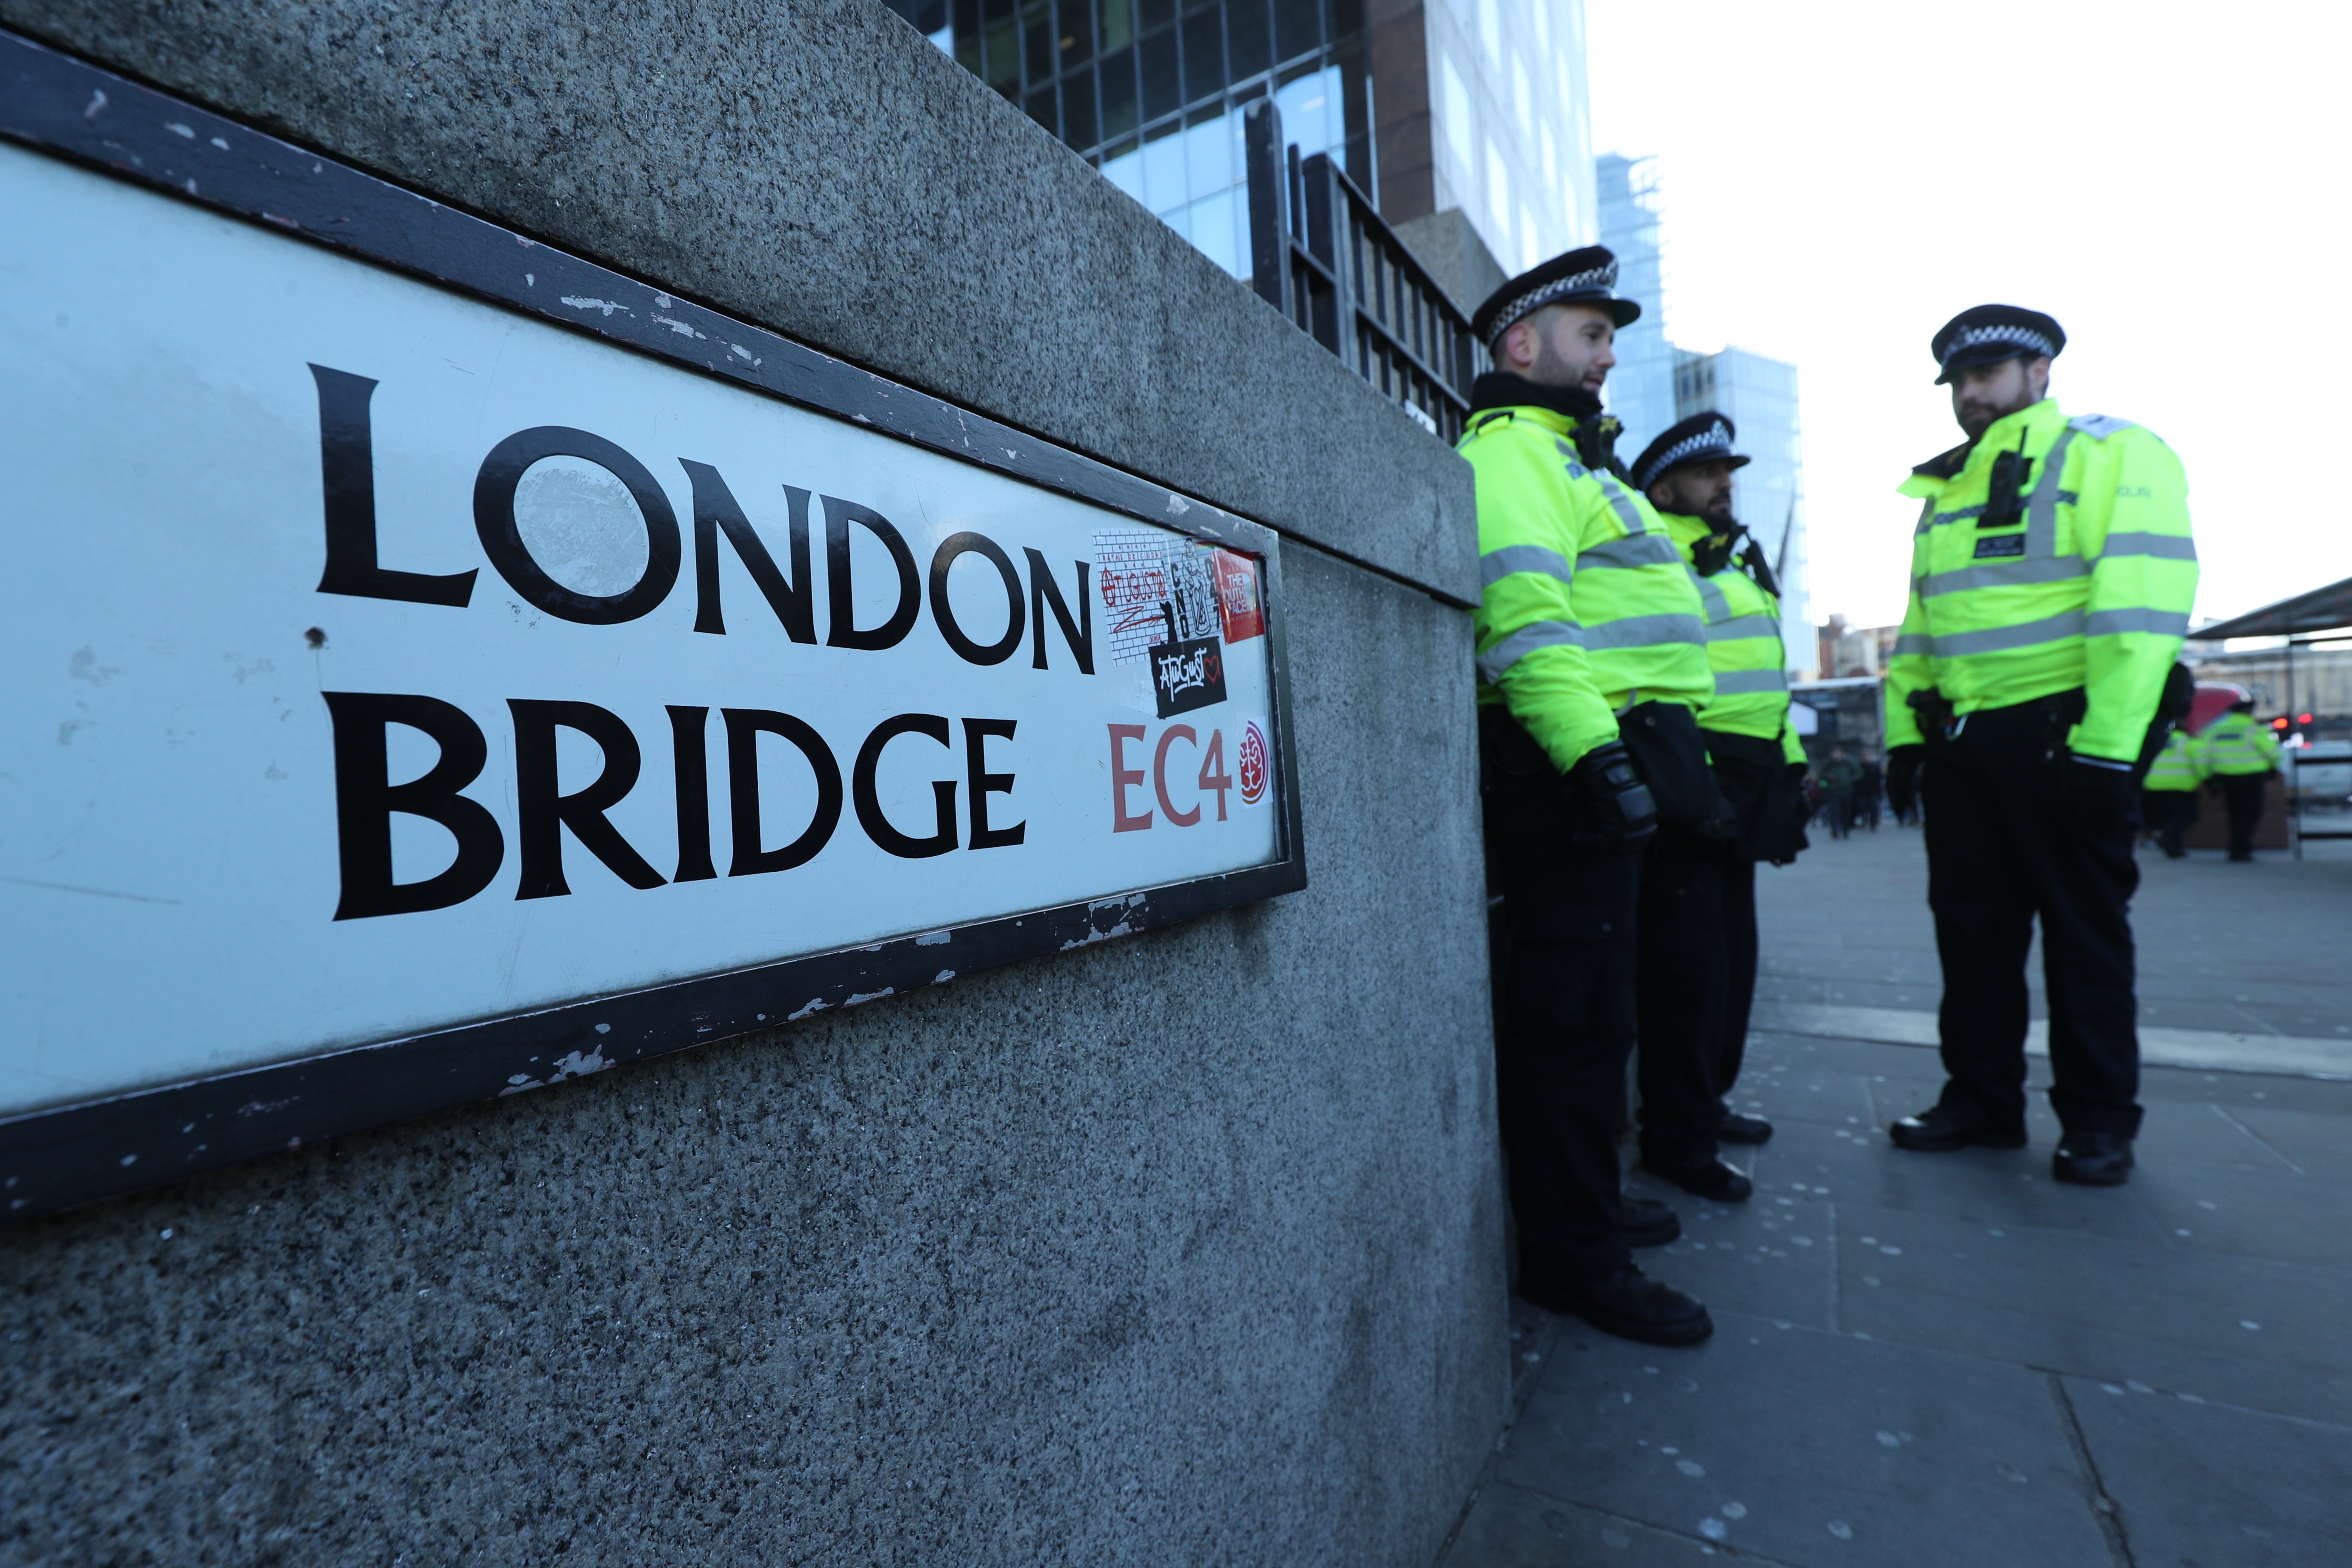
(67, 1155)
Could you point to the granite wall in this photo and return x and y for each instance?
(1183, 1248)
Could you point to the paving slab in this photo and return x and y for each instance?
(2257, 1333)
(2155, 1376)
(2279, 1501)
(1811, 1448)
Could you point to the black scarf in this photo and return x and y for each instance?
(1595, 434)
(1714, 553)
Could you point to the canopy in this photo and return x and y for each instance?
(2321, 610)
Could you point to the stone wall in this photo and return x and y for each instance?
(1185, 1249)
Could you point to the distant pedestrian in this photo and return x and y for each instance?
(2169, 798)
(1840, 777)
(2239, 757)
(1866, 788)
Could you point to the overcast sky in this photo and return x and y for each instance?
(2168, 181)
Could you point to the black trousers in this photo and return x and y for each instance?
(1685, 976)
(2003, 850)
(1740, 954)
(2242, 794)
(1567, 1007)
(2170, 814)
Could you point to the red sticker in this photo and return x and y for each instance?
(1252, 763)
(1237, 602)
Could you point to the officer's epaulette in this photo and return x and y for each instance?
(2099, 427)
(1944, 465)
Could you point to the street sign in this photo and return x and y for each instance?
(436, 667)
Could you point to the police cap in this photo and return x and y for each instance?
(1986, 334)
(1586, 276)
(1701, 438)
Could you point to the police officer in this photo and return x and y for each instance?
(2051, 573)
(1758, 762)
(2238, 756)
(2169, 798)
(1584, 603)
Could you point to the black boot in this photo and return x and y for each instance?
(2092, 1159)
(1737, 1128)
(1644, 1222)
(1713, 1180)
(1628, 1303)
(1942, 1128)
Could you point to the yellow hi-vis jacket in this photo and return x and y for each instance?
(2178, 766)
(2090, 588)
(1587, 606)
(2235, 745)
(1743, 646)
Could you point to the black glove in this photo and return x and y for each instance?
(1903, 778)
(2098, 794)
(1797, 772)
(1612, 805)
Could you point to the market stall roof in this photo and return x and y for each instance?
(2321, 610)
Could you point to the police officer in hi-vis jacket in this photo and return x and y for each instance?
(1588, 628)
(2052, 575)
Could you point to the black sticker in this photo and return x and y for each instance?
(2000, 546)
(1188, 675)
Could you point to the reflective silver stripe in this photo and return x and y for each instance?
(1745, 626)
(1647, 631)
(1914, 643)
(1642, 549)
(1999, 639)
(1576, 469)
(1525, 641)
(2041, 506)
(1621, 503)
(2160, 623)
(2099, 427)
(2003, 574)
(1744, 682)
(1960, 516)
(2163, 546)
(1926, 516)
(1710, 598)
(1497, 565)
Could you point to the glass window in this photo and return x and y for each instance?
(1124, 168)
(1158, 13)
(1038, 43)
(1490, 33)
(1531, 246)
(1310, 112)
(1004, 57)
(1249, 37)
(1457, 119)
(1205, 55)
(1522, 99)
(1542, 9)
(1077, 32)
(1208, 153)
(1297, 28)
(1163, 172)
(1117, 24)
(1079, 127)
(1214, 230)
(1118, 116)
(1157, 54)
(1551, 159)
(1498, 196)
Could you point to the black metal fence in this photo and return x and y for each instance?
(1321, 254)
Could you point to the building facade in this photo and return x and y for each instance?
(1473, 109)
(1759, 396)
(1641, 390)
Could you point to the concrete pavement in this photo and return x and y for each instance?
(1949, 1360)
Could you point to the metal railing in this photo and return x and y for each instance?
(1321, 254)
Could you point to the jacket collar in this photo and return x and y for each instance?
(2003, 434)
